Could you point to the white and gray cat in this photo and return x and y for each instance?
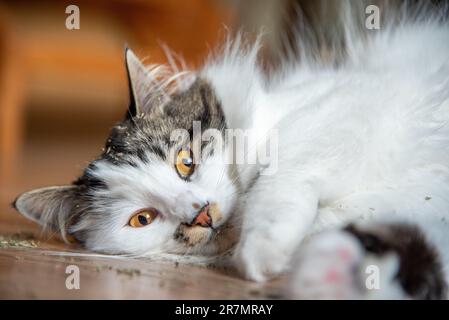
(362, 141)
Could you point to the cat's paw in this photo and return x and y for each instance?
(334, 265)
(326, 266)
(259, 259)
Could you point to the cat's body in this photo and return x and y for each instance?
(368, 139)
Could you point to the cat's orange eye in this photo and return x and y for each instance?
(184, 163)
(143, 218)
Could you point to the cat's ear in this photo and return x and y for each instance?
(51, 207)
(144, 90)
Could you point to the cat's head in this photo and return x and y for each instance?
(159, 185)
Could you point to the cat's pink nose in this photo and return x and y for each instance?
(203, 218)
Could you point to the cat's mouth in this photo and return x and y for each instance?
(201, 230)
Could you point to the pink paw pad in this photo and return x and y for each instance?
(333, 276)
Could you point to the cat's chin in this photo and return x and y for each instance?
(193, 236)
(206, 241)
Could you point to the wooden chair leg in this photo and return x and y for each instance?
(11, 119)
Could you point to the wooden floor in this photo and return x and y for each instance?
(32, 267)
(40, 273)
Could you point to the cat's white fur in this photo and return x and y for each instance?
(369, 137)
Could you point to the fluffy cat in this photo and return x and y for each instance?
(363, 136)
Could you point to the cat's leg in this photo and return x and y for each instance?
(368, 261)
(277, 214)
